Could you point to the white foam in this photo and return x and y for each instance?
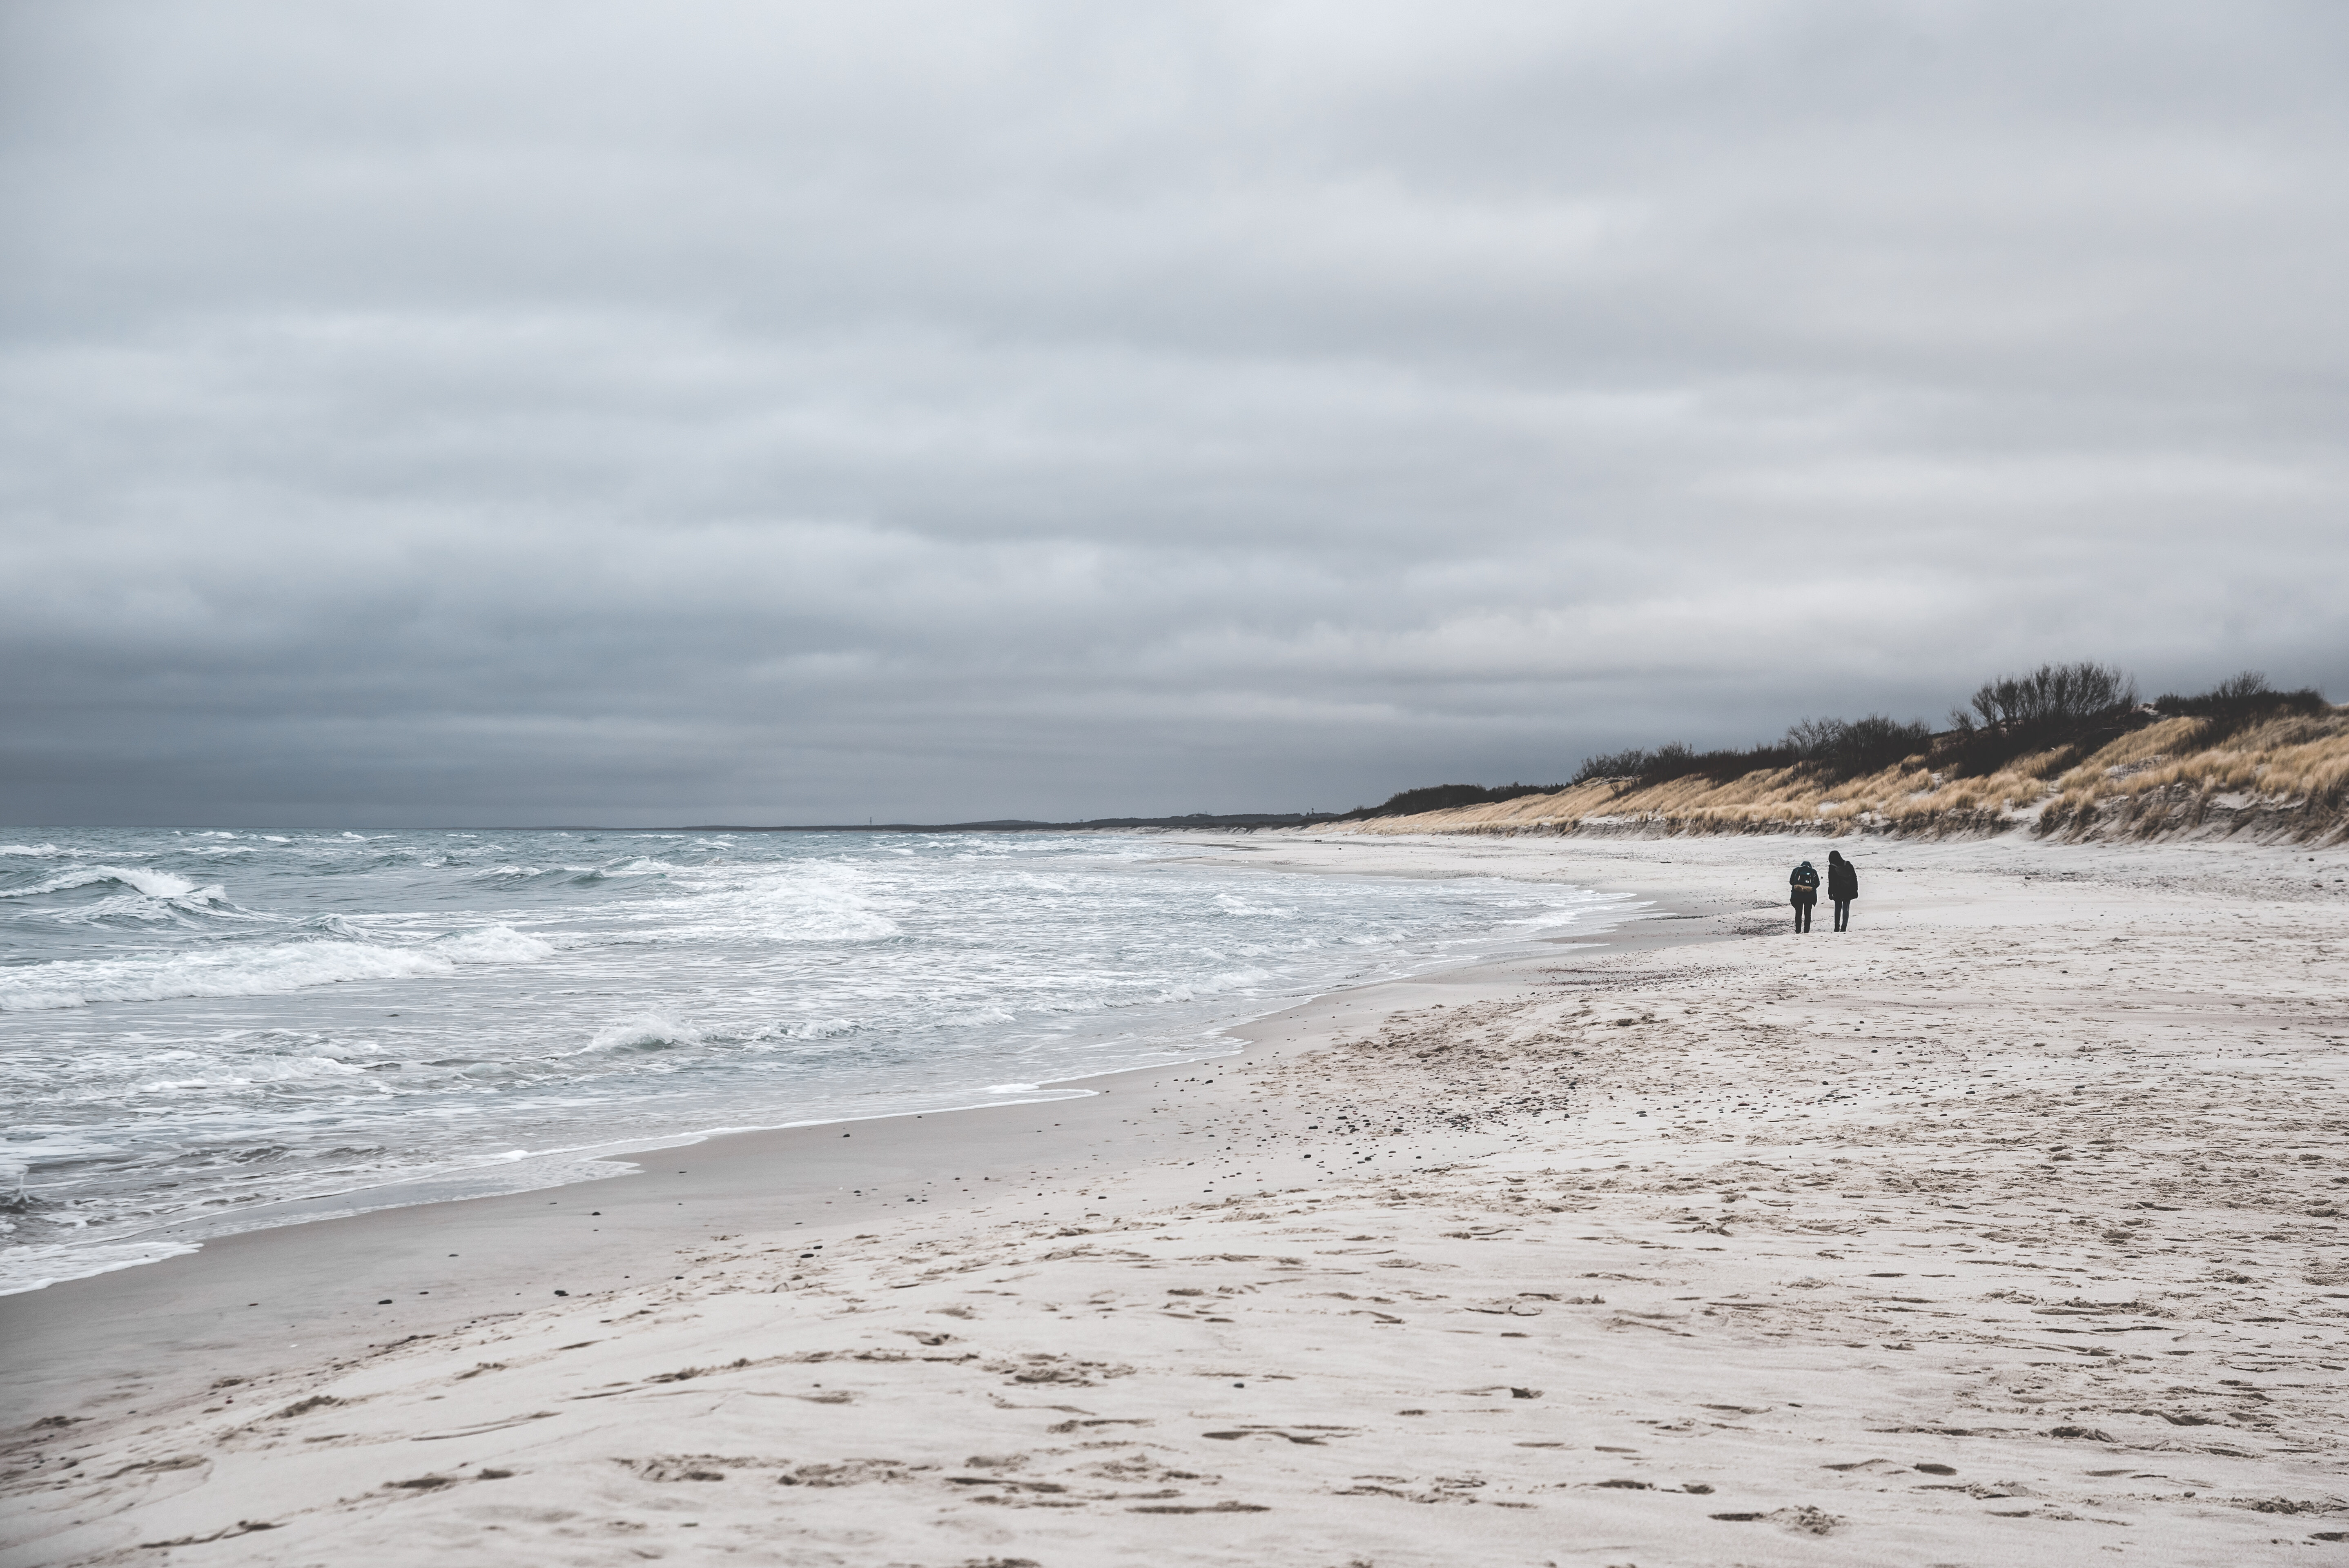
(1217, 985)
(648, 1031)
(30, 850)
(272, 971)
(252, 972)
(494, 945)
(813, 903)
(140, 879)
(37, 1267)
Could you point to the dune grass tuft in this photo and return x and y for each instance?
(2063, 751)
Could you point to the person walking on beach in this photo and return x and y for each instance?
(1843, 886)
(1803, 889)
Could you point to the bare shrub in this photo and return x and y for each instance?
(2050, 695)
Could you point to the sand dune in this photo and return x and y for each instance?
(2005, 1228)
(2285, 779)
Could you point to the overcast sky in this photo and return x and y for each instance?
(458, 413)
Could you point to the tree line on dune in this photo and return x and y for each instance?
(2085, 705)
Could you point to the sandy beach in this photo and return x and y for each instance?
(2005, 1228)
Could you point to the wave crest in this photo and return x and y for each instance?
(138, 879)
(271, 971)
(494, 945)
(649, 1032)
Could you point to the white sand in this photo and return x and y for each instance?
(2005, 1228)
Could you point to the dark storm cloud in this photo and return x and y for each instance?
(427, 413)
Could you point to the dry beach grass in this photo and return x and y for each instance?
(2005, 1230)
(2285, 779)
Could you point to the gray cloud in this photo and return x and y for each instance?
(432, 413)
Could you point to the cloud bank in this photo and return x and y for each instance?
(435, 413)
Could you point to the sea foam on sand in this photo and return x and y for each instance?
(2005, 1228)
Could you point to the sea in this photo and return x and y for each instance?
(210, 1030)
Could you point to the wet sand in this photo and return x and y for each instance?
(2005, 1228)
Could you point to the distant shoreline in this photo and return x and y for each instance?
(1242, 821)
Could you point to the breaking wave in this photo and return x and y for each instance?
(271, 971)
(136, 878)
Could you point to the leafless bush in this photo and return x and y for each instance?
(2049, 695)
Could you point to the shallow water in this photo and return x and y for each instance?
(205, 1022)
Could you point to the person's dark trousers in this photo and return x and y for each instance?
(1802, 917)
(1843, 914)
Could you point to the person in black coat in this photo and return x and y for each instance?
(1843, 886)
(1803, 892)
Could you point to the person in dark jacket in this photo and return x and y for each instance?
(1843, 886)
(1803, 892)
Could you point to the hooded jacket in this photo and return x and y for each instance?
(1843, 882)
(1804, 885)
